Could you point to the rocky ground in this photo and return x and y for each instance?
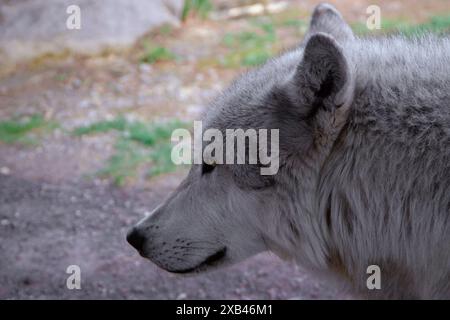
(55, 211)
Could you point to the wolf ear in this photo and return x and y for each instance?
(323, 77)
(328, 20)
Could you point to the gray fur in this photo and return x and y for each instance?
(364, 167)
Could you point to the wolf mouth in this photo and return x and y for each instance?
(210, 261)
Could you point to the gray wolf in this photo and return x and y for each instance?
(364, 176)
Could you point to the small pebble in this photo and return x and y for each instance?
(182, 296)
(5, 171)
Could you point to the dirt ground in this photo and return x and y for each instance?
(47, 227)
(54, 210)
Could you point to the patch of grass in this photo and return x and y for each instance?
(294, 16)
(165, 30)
(123, 164)
(153, 54)
(139, 145)
(295, 23)
(359, 28)
(161, 158)
(255, 46)
(200, 8)
(387, 26)
(150, 135)
(102, 126)
(250, 48)
(61, 77)
(24, 129)
(257, 43)
(436, 24)
(271, 22)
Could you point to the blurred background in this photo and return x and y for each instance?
(85, 122)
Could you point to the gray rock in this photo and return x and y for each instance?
(31, 28)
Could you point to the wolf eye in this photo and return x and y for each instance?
(207, 168)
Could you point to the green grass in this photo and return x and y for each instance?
(270, 22)
(24, 130)
(436, 24)
(61, 77)
(200, 8)
(295, 23)
(139, 145)
(153, 54)
(256, 45)
(161, 158)
(165, 30)
(250, 48)
(102, 126)
(125, 161)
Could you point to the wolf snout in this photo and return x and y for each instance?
(136, 238)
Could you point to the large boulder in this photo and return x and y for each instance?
(31, 28)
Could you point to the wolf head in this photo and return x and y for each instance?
(221, 214)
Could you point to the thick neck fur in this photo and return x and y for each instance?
(397, 128)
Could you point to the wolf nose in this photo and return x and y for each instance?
(135, 238)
